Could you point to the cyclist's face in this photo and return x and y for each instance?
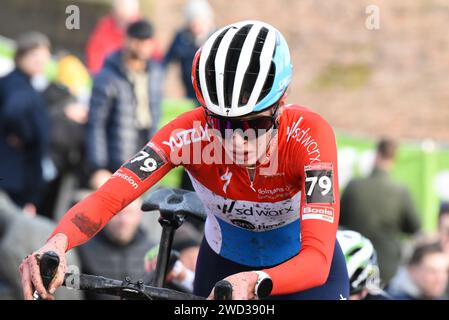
(247, 146)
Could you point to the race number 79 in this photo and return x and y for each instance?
(324, 183)
(144, 163)
(318, 184)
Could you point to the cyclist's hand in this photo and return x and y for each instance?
(243, 285)
(30, 273)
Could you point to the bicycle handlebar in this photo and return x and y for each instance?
(125, 288)
(49, 263)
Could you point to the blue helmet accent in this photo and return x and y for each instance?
(283, 74)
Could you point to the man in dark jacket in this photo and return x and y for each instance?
(381, 210)
(125, 104)
(24, 124)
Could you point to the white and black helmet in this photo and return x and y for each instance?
(242, 68)
(361, 261)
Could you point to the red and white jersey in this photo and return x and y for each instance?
(284, 220)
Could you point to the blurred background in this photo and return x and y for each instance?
(372, 69)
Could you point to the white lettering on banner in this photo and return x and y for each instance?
(127, 178)
(188, 136)
(303, 137)
(318, 213)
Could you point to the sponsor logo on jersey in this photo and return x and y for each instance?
(188, 136)
(227, 178)
(303, 137)
(275, 193)
(318, 213)
(262, 215)
(261, 227)
(127, 178)
(145, 162)
(253, 210)
(243, 224)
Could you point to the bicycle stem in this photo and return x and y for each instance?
(169, 222)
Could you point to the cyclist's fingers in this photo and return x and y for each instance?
(58, 279)
(36, 276)
(27, 286)
(50, 297)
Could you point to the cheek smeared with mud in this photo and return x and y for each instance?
(86, 225)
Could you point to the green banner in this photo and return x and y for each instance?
(422, 167)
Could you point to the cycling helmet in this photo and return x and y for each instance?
(242, 68)
(361, 261)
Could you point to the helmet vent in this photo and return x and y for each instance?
(210, 69)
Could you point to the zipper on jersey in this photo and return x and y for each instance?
(251, 179)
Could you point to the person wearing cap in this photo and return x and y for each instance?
(24, 124)
(125, 103)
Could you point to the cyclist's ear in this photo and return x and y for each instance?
(280, 109)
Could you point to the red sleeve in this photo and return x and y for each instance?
(313, 142)
(129, 182)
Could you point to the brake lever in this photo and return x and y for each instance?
(48, 265)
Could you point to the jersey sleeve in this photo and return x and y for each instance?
(312, 143)
(129, 182)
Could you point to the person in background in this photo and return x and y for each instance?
(425, 277)
(110, 33)
(19, 234)
(443, 231)
(24, 124)
(125, 104)
(66, 101)
(198, 27)
(117, 251)
(363, 270)
(380, 209)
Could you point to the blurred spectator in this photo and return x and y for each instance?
(125, 104)
(24, 124)
(443, 227)
(19, 236)
(186, 243)
(73, 74)
(119, 249)
(109, 33)
(425, 276)
(199, 25)
(380, 209)
(68, 118)
(443, 232)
